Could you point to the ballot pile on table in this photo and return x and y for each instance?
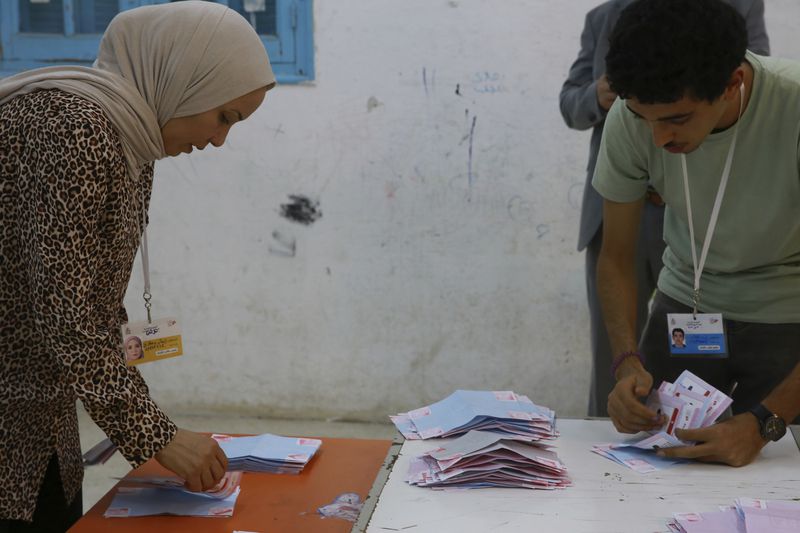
(504, 442)
(689, 403)
(268, 453)
(166, 495)
(503, 412)
(748, 515)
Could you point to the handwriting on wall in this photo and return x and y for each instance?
(483, 82)
(486, 82)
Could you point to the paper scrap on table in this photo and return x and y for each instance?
(346, 506)
(689, 403)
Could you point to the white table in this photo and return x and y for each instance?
(604, 497)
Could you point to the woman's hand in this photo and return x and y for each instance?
(195, 457)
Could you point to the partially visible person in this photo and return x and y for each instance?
(77, 147)
(585, 99)
(133, 349)
(706, 122)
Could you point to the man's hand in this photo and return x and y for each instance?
(196, 458)
(735, 442)
(627, 413)
(605, 96)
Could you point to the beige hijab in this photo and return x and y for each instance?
(156, 63)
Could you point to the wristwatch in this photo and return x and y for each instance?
(771, 426)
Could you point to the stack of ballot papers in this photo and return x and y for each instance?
(747, 516)
(689, 403)
(503, 412)
(166, 495)
(268, 453)
(482, 459)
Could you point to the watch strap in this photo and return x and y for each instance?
(761, 413)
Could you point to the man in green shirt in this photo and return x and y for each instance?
(715, 129)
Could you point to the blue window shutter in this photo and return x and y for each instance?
(265, 21)
(69, 31)
(92, 16)
(41, 18)
(303, 67)
(286, 31)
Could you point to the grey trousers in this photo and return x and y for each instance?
(760, 356)
(649, 251)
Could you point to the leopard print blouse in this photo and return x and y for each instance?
(69, 230)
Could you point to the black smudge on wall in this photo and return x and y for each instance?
(301, 209)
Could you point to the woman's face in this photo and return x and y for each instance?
(182, 135)
(133, 349)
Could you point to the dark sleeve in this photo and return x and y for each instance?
(757, 38)
(71, 170)
(578, 98)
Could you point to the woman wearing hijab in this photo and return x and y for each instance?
(77, 147)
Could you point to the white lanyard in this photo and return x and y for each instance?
(712, 223)
(145, 262)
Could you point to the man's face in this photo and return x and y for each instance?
(677, 338)
(682, 126)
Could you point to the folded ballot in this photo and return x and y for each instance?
(143, 501)
(482, 459)
(268, 453)
(748, 515)
(503, 412)
(166, 495)
(689, 403)
(641, 461)
(227, 485)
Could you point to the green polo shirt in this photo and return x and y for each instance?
(753, 268)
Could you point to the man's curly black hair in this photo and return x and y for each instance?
(663, 50)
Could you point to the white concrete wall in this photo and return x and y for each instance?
(430, 269)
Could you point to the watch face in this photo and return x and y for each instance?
(774, 428)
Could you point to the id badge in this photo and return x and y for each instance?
(702, 334)
(144, 342)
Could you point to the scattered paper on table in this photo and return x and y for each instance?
(748, 515)
(346, 506)
(642, 461)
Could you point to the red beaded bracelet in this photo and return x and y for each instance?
(621, 357)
